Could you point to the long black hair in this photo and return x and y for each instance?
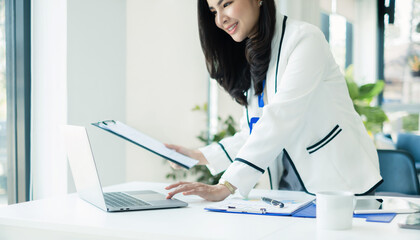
(234, 64)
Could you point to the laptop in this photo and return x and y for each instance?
(88, 185)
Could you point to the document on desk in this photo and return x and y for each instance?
(256, 206)
(146, 142)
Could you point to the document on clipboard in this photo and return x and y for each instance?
(140, 139)
(257, 206)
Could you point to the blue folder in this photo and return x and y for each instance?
(310, 212)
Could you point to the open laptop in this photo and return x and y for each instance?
(88, 185)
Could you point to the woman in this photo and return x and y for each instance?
(299, 122)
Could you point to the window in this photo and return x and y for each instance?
(401, 98)
(338, 39)
(15, 41)
(402, 48)
(3, 108)
(337, 17)
(339, 33)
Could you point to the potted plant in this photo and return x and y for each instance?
(227, 127)
(362, 96)
(414, 63)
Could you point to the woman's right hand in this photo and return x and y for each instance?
(195, 154)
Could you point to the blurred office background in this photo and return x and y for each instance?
(140, 62)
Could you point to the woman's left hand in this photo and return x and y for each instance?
(212, 193)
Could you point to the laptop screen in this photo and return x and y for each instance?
(82, 165)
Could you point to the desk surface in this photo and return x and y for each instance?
(69, 217)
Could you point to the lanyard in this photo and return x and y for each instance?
(261, 97)
(254, 120)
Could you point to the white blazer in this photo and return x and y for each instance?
(309, 114)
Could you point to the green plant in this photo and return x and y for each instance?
(362, 96)
(227, 127)
(414, 63)
(410, 123)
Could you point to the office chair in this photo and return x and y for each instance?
(398, 172)
(410, 143)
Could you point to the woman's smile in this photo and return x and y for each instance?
(231, 30)
(238, 18)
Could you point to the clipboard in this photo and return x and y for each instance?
(252, 206)
(140, 139)
(304, 211)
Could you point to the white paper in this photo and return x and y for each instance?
(148, 142)
(258, 206)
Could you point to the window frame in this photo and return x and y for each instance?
(382, 11)
(18, 89)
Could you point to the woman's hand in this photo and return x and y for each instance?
(212, 193)
(195, 154)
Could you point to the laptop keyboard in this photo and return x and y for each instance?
(121, 200)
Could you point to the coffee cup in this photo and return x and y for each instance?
(334, 210)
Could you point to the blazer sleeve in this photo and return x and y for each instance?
(220, 155)
(284, 116)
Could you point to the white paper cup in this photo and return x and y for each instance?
(334, 210)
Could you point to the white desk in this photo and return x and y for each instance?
(69, 217)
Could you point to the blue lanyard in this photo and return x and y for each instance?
(254, 120)
(261, 97)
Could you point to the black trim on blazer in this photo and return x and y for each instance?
(278, 56)
(224, 150)
(246, 107)
(269, 177)
(250, 164)
(297, 173)
(371, 190)
(247, 116)
(303, 185)
(325, 140)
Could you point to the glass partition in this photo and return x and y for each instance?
(402, 68)
(3, 145)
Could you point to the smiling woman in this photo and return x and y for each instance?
(299, 123)
(253, 25)
(238, 18)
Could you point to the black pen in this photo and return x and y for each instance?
(273, 202)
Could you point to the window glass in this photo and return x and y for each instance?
(338, 39)
(402, 68)
(402, 52)
(3, 153)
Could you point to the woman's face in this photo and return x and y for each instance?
(238, 18)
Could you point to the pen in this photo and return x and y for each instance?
(273, 202)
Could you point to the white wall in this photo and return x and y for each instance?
(166, 78)
(96, 55)
(49, 97)
(304, 10)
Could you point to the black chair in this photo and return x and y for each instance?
(398, 172)
(410, 143)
